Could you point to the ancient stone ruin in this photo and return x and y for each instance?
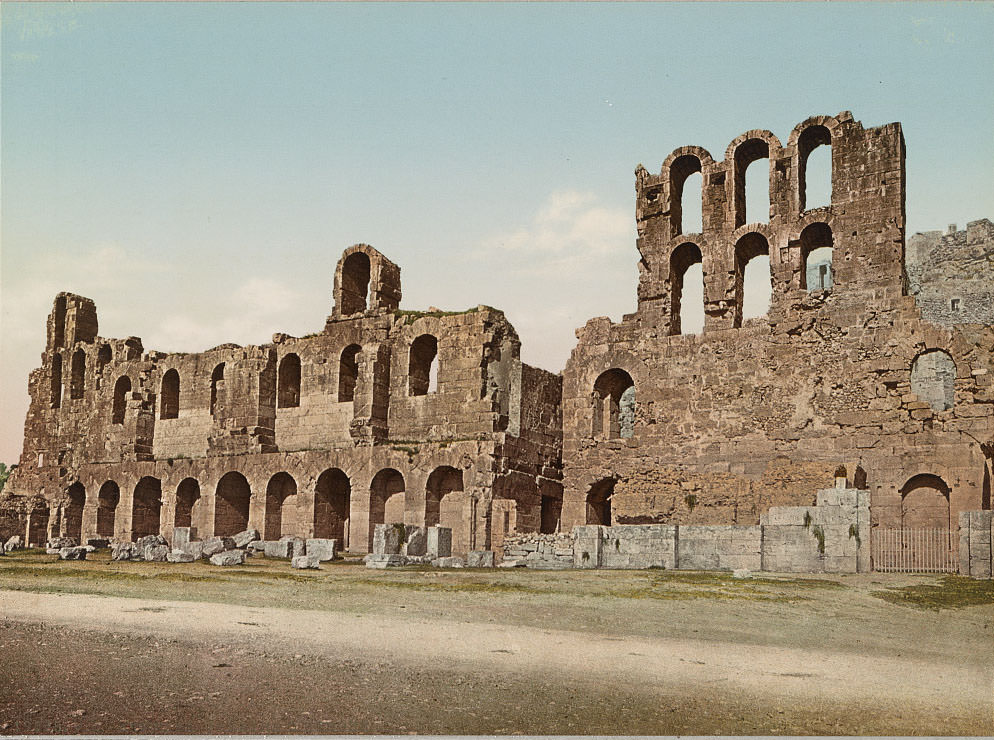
(865, 375)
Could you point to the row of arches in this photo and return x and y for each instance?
(422, 373)
(752, 178)
(77, 373)
(282, 512)
(753, 276)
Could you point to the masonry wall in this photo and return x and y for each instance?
(951, 274)
(385, 415)
(760, 412)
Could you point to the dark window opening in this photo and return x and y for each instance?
(121, 390)
(56, 381)
(599, 502)
(614, 405)
(78, 374)
(355, 283)
(423, 365)
(217, 386)
(288, 383)
(169, 404)
(348, 373)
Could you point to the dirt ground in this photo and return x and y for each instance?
(101, 647)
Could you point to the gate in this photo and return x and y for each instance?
(914, 550)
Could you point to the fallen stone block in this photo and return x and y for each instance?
(150, 539)
(194, 549)
(243, 539)
(52, 550)
(480, 559)
(155, 553)
(123, 551)
(57, 543)
(257, 545)
(416, 542)
(183, 535)
(322, 549)
(278, 549)
(214, 545)
(180, 556)
(384, 561)
(72, 553)
(512, 564)
(89, 548)
(228, 557)
(14, 543)
(305, 561)
(449, 562)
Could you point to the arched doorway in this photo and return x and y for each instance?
(72, 517)
(281, 488)
(386, 500)
(445, 505)
(332, 500)
(187, 499)
(107, 500)
(599, 502)
(145, 508)
(231, 505)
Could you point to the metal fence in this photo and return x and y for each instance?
(915, 550)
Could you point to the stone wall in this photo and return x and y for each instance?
(976, 544)
(951, 274)
(831, 537)
(758, 412)
(384, 415)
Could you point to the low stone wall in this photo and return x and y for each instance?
(534, 550)
(831, 537)
(976, 544)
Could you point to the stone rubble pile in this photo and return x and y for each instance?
(407, 544)
(534, 550)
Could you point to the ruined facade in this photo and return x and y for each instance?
(715, 428)
(431, 418)
(384, 416)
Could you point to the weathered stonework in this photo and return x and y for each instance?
(321, 436)
(430, 419)
(716, 428)
(951, 275)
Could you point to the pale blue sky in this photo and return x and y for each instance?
(198, 169)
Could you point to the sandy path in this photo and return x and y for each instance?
(791, 674)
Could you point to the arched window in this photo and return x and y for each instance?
(56, 380)
(355, 283)
(814, 172)
(217, 385)
(933, 379)
(686, 186)
(753, 281)
(752, 182)
(77, 374)
(686, 290)
(614, 405)
(169, 405)
(288, 383)
(423, 365)
(348, 373)
(104, 356)
(816, 256)
(121, 390)
(599, 502)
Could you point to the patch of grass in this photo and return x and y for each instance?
(953, 592)
(453, 586)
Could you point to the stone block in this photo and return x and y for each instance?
(512, 564)
(14, 543)
(155, 553)
(298, 546)
(416, 540)
(183, 535)
(278, 549)
(480, 559)
(214, 545)
(449, 562)
(123, 551)
(439, 542)
(57, 543)
(243, 539)
(384, 561)
(322, 549)
(195, 549)
(305, 561)
(72, 553)
(257, 545)
(388, 539)
(180, 556)
(228, 557)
